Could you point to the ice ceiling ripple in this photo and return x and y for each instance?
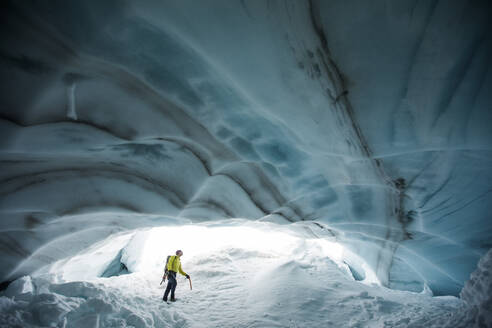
(371, 120)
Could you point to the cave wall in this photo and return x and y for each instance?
(370, 119)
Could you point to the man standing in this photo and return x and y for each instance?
(173, 266)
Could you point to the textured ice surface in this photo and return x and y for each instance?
(477, 295)
(370, 119)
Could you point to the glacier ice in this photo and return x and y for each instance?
(477, 295)
(368, 120)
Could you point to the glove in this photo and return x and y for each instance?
(187, 276)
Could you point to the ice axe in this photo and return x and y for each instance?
(163, 279)
(189, 279)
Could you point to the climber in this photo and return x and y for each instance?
(173, 266)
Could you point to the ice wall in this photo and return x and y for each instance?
(477, 294)
(370, 119)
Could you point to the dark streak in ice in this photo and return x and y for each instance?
(335, 76)
(105, 129)
(243, 4)
(413, 56)
(243, 187)
(465, 205)
(10, 245)
(457, 78)
(39, 177)
(438, 206)
(81, 206)
(31, 221)
(27, 64)
(209, 203)
(441, 187)
(284, 216)
(415, 177)
(187, 146)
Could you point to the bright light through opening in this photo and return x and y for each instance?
(144, 251)
(197, 241)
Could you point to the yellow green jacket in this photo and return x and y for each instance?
(174, 264)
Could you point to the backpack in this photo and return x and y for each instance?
(165, 266)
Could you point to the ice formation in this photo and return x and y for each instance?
(366, 123)
(477, 294)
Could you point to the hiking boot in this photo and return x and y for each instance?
(173, 299)
(164, 299)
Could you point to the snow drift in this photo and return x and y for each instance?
(239, 280)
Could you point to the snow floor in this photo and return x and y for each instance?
(233, 286)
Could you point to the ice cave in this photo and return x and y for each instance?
(320, 163)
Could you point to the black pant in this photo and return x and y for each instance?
(171, 285)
